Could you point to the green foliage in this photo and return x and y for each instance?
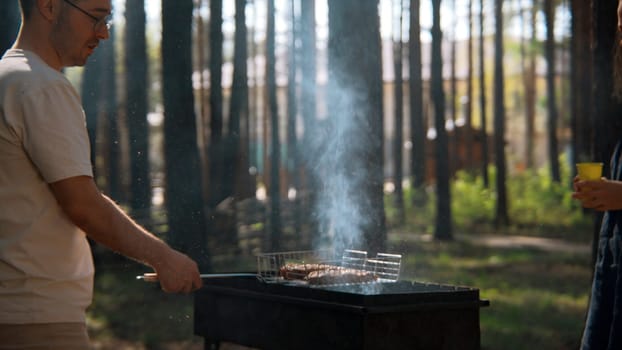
(472, 202)
(535, 202)
(537, 199)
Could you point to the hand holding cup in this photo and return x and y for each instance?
(587, 172)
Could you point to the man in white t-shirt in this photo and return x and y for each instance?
(49, 202)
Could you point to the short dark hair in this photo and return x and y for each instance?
(27, 6)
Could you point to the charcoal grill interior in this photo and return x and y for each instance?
(396, 315)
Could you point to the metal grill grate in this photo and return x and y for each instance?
(385, 266)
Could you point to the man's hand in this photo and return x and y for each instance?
(177, 273)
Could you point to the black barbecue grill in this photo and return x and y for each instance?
(392, 314)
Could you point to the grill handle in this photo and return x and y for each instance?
(153, 277)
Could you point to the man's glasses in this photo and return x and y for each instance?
(99, 23)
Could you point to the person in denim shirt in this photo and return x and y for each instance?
(603, 327)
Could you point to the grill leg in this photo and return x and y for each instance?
(210, 344)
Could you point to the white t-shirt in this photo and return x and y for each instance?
(46, 266)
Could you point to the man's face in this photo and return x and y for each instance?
(74, 35)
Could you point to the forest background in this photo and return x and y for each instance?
(446, 131)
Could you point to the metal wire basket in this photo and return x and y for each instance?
(385, 267)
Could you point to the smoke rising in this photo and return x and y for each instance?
(338, 165)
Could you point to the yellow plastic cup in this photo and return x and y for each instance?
(590, 171)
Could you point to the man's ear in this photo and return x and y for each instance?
(48, 9)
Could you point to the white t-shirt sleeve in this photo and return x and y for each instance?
(55, 135)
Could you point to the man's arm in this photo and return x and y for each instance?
(106, 223)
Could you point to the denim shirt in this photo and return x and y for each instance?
(603, 327)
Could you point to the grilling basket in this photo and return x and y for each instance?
(317, 268)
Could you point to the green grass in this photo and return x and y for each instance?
(537, 298)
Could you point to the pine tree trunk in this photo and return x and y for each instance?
(399, 120)
(352, 195)
(308, 101)
(549, 16)
(136, 66)
(293, 164)
(108, 91)
(605, 110)
(275, 159)
(237, 179)
(482, 98)
(91, 100)
(529, 76)
(418, 128)
(454, 140)
(581, 121)
(468, 118)
(501, 212)
(183, 193)
(216, 147)
(443, 226)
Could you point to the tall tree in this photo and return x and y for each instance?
(581, 69)
(200, 66)
(308, 67)
(183, 193)
(91, 99)
(308, 96)
(254, 95)
(216, 159)
(549, 16)
(273, 111)
(9, 24)
(605, 109)
(501, 213)
(454, 146)
(355, 163)
(528, 64)
(417, 125)
(399, 113)
(468, 115)
(108, 91)
(237, 182)
(293, 164)
(443, 227)
(136, 104)
(99, 103)
(482, 97)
